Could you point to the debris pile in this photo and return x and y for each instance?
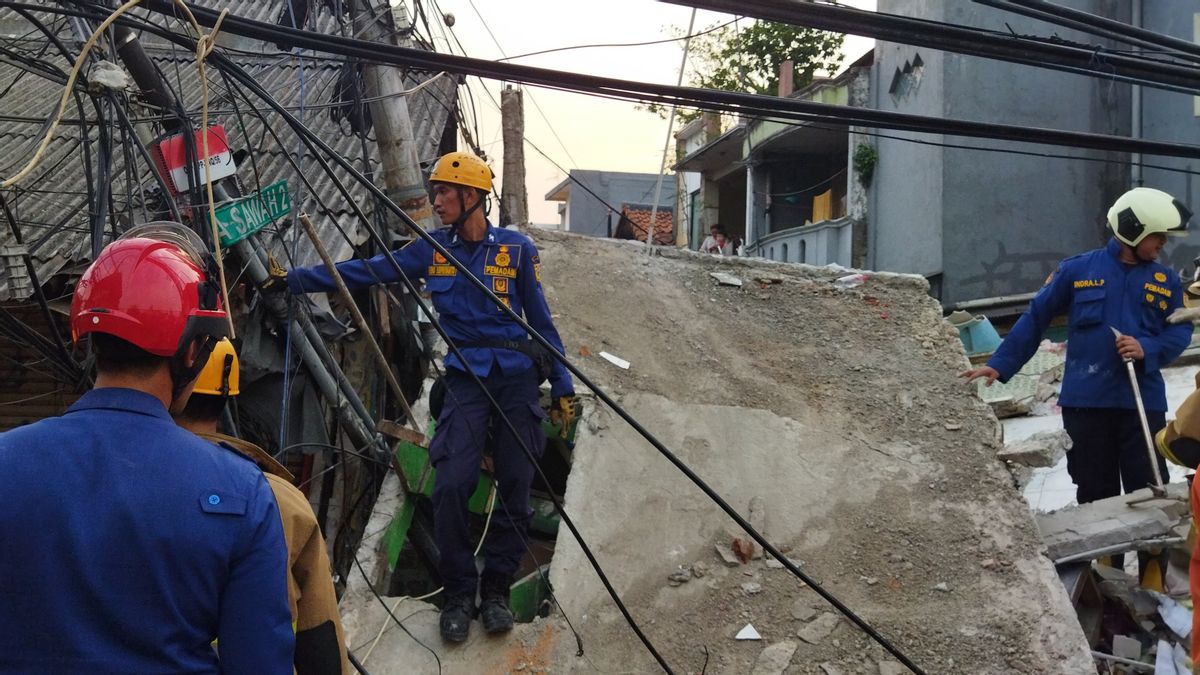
(1034, 389)
(833, 420)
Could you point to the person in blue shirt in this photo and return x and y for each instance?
(497, 350)
(129, 544)
(1119, 286)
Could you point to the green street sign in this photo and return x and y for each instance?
(242, 218)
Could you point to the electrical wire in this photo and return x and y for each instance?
(492, 401)
(250, 84)
(532, 100)
(1105, 27)
(62, 104)
(619, 410)
(767, 546)
(487, 523)
(622, 44)
(732, 102)
(391, 614)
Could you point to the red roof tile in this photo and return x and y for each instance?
(664, 232)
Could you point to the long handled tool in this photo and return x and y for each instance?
(1157, 489)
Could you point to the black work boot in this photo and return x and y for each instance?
(455, 622)
(494, 611)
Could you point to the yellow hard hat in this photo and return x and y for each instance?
(462, 168)
(220, 375)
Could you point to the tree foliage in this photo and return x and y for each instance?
(746, 58)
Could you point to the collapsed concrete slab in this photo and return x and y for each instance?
(1114, 522)
(839, 415)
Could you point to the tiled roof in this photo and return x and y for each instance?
(639, 215)
(50, 205)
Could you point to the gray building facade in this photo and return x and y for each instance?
(582, 212)
(980, 224)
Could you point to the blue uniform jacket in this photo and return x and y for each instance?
(1101, 292)
(505, 260)
(127, 545)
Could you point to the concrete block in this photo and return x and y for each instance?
(1041, 449)
(1127, 647)
(1112, 521)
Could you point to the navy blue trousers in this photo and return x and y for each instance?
(467, 425)
(1108, 451)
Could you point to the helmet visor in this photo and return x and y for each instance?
(175, 234)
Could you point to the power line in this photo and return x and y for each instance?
(621, 44)
(732, 102)
(309, 137)
(532, 100)
(1056, 55)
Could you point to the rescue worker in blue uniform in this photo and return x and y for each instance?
(129, 544)
(497, 350)
(1119, 286)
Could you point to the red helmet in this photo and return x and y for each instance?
(149, 292)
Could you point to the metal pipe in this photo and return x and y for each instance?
(354, 418)
(1135, 107)
(1137, 545)
(997, 300)
(1125, 662)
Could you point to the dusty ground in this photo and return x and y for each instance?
(840, 411)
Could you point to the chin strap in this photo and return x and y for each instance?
(181, 374)
(463, 211)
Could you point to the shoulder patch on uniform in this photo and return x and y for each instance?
(222, 503)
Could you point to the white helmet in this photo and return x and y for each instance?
(1143, 211)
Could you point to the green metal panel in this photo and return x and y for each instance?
(528, 594)
(414, 462)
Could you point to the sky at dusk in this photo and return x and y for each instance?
(574, 130)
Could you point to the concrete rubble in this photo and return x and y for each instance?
(1033, 390)
(1115, 521)
(1042, 449)
(821, 414)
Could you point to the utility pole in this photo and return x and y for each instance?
(514, 201)
(384, 86)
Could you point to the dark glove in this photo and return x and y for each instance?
(563, 413)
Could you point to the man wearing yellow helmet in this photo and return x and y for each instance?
(1119, 287)
(496, 350)
(320, 647)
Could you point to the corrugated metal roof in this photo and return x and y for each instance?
(50, 205)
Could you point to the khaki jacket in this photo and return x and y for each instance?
(1187, 417)
(320, 644)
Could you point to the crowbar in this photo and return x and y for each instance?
(1157, 489)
